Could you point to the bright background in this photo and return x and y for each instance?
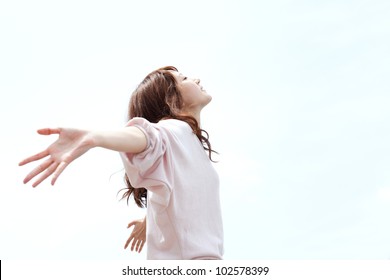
(300, 116)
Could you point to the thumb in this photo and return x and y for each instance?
(48, 131)
(131, 224)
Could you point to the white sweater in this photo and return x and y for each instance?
(183, 207)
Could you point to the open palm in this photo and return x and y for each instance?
(138, 235)
(71, 144)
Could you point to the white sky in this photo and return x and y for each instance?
(300, 116)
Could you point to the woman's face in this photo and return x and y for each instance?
(193, 94)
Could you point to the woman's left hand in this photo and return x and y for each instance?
(138, 235)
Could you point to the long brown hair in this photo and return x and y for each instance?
(158, 97)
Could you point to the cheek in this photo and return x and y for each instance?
(190, 94)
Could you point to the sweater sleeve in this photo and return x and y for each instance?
(151, 169)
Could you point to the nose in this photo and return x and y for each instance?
(197, 81)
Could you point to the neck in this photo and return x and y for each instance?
(195, 115)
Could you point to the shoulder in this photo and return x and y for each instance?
(174, 125)
(167, 123)
(163, 127)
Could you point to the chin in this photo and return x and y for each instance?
(208, 99)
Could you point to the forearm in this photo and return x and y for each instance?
(127, 139)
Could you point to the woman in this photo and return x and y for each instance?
(167, 169)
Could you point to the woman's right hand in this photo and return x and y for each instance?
(71, 144)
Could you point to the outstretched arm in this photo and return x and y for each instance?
(138, 235)
(72, 143)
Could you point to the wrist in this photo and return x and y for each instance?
(94, 139)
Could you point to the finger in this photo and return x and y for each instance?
(46, 174)
(142, 246)
(36, 157)
(58, 171)
(133, 244)
(138, 245)
(42, 167)
(131, 224)
(143, 243)
(49, 131)
(128, 241)
(134, 241)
